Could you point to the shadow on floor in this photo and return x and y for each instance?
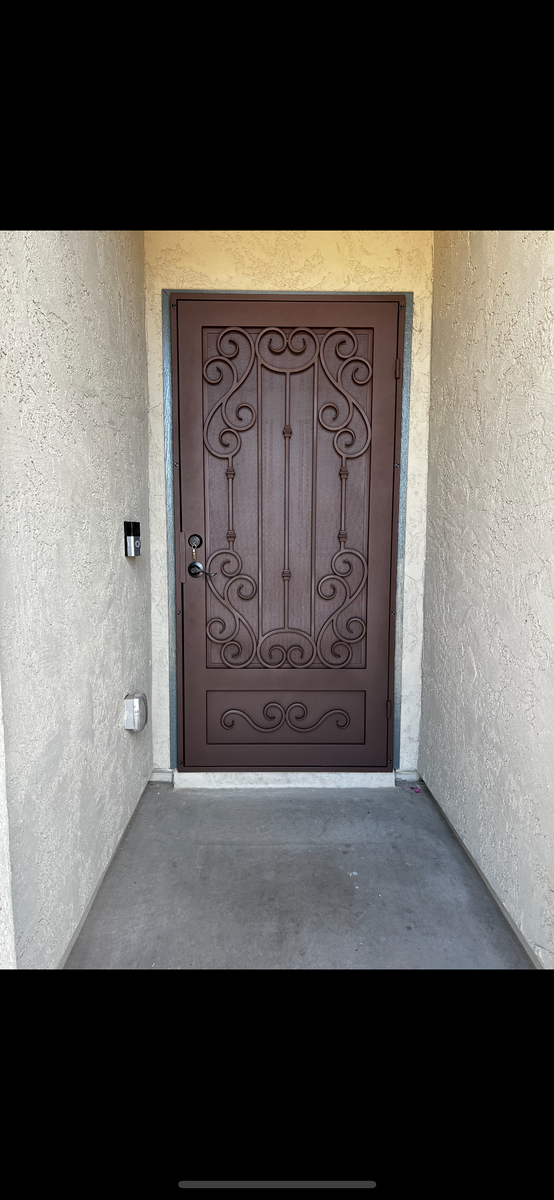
(296, 879)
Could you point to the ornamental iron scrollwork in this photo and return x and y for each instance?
(283, 715)
(307, 351)
(347, 450)
(231, 440)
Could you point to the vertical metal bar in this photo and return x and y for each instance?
(314, 499)
(260, 504)
(286, 572)
(230, 527)
(343, 473)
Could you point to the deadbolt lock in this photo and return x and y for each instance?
(195, 568)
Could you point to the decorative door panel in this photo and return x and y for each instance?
(281, 717)
(285, 438)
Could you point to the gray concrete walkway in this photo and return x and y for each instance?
(302, 879)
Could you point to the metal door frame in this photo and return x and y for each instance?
(169, 480)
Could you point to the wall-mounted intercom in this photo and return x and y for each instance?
(132, 538)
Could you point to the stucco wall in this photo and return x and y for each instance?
(7, 935)
(74, 613)
(487, 744)
(359, 260)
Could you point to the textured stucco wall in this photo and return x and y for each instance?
(74, 613)
(487, 742)
(7, 934)
(294, 260)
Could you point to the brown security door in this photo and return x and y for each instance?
(286, 436)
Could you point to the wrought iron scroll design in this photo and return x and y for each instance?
(283, 715)
(308, 647)
(344, 442)
(231, 441)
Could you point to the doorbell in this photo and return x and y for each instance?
(132, 539)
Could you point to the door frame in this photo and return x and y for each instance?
(400, 490)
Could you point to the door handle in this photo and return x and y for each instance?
(195, 568)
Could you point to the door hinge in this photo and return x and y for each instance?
(389, 710)
(397, 369)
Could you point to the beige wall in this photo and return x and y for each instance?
(366, 260)
(487, 737)
(75, 614)
(7, 933)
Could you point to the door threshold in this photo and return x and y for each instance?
(161, 775)
(283, 779)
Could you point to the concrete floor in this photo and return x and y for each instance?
(293, 880)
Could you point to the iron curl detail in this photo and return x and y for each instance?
(286, 655)
(352, 403)
(228, 641)
(285, 715)
(342, 646)
(226, 359)
(287, 344)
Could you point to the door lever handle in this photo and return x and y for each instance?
(195, 568)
